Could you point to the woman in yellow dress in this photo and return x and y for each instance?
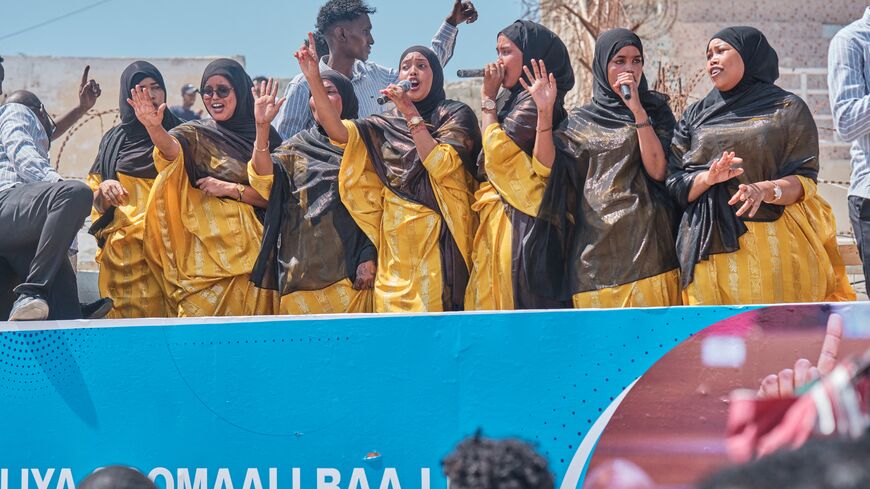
(121, 178)
(405, 178)
(743, 168)
(606, 196)
(202, 225)
(508, 200)
(313, 253)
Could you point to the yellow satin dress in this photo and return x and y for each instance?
(518, 179)
(125, 276)
(202, 248)
(406, 234)
(793, 259)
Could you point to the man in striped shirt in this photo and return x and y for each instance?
(40, 214)
(849, 87)
(347, 28)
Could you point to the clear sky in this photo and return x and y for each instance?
(266, 32)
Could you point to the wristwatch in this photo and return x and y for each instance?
(415, 121)
(777, 192)
(487, 104)
(241, 189)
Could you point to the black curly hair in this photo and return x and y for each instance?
(335, 11)
(321, 45)
(484, 463)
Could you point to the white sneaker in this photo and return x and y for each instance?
(29, 308)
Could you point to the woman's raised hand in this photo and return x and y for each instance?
(723, 169)
(309, 62)
(148, 115)
(265, 107)
(541, 85)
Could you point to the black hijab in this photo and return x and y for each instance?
(537, 42)
(349, 102)
(242, 121)
(201, 140)
(127, 148)
(426, 107)
(606, 102)
(709, 225)
(761, 63)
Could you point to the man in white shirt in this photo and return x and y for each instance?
(348, 31)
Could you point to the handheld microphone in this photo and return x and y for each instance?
(626, 92)
(403, 85)
(478, 73)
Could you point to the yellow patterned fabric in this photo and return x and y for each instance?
(657, 291)
(406, 234)
(514, 177)
(792, 259)
(202, 247)
(125, 276)
(338, 298)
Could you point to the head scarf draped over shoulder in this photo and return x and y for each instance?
(232, 140)
(310, 241)
(517, 113)
(127, 148)
(786, 144)
(394, 156)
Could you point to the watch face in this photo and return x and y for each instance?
(489, 104)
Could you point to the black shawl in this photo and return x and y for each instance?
(603, 221)
(771, 129)
(127, 148)
(394, 155)
(310, 241)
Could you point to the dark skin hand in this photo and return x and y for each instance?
(462, 12)
(365, 275)
(89, 92)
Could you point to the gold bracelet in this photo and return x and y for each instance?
(545, 130)
(263, 150)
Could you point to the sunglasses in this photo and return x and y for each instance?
(222, 91)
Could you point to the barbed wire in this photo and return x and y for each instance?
(89, 116)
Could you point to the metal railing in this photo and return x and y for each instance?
(820, 108)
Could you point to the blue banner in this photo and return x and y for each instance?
(317, 402)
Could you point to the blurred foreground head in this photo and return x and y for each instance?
(116, 477)
(484, 463)
(820, 464)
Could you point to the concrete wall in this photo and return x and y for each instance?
(56, 80)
